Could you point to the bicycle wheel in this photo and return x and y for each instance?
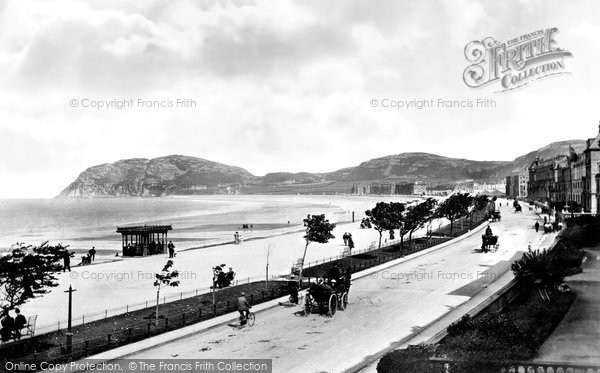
(251, 319)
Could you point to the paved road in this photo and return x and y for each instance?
(384, 308)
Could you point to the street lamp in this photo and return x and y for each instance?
(69, 332)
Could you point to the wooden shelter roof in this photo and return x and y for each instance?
(144, 229)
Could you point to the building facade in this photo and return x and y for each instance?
(417, 188)
(516, 185)
(572, 179)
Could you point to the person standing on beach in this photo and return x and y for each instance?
(171, 248)
(67, 261)
(92, 253)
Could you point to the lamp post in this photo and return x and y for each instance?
(69, 333)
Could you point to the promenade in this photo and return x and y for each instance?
(387, 307)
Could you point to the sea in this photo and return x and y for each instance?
(197, 221)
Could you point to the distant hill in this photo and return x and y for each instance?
(419, 166)
(171, 175)
(182, 175)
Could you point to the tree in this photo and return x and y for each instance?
(480, 202)
(318, 229)
(454, 207)
(163, 279)
(386, 216)
(27, 272)
(417, 215)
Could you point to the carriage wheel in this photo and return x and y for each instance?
(343, 301)
(341, 305)
(308, 305)
(332, 305)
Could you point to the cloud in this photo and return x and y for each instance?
(279, 85)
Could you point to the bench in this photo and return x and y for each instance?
(29, 328)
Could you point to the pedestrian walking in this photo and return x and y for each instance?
(392, 234)
(345, 237)
(537, 226)
(350, 241)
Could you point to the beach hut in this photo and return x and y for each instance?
(142, 240)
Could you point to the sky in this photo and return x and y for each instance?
(274, 85)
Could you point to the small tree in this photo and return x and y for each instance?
(163, 279)
(318, 229)
(386, 216)
(417, 215)
(454, 207)
(27, 272)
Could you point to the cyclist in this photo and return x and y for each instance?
(243, 308)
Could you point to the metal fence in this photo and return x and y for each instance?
(440, 365)
(110, 312)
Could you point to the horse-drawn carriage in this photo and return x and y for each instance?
(489, 242)
(517, 206)
(495, 216)
(328, 297)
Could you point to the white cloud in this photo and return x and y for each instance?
(279, 86)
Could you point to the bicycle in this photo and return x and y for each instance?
(250, 319)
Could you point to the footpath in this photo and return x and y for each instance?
(576, 339)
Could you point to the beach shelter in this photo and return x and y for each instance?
(142, 240)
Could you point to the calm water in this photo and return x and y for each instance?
(196, 220)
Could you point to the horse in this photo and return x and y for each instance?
(488, 241)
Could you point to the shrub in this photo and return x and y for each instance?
(414, 358)
(538, 267)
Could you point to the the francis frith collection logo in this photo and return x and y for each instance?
(516, 62)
